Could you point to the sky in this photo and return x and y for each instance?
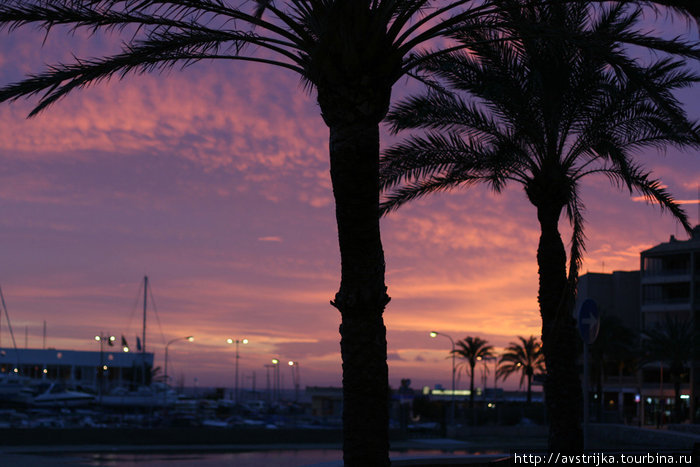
(214, 182)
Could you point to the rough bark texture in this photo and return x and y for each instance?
(471, 389)
(562, 387)
(354, 154)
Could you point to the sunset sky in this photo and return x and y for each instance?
(213, 181)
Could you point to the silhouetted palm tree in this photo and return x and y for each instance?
(674, 342)
(351, 52)
(524, 357)
(472, 350)
(562, 101)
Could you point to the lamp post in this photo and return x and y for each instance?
(495, 371)
(295, 378)
(434, 334)
(276, 363)
(188, 338)
(267, 371)
(101, 338)
(236, 341)
(165, 370)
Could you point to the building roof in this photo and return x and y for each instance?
(677, 246)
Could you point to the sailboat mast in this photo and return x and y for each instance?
(145, 304)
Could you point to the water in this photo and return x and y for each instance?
(282, 458)
(276, 458)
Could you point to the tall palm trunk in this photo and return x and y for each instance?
(471, 389)
(529, 388)
(677, 413)
(354, 157)
(677, 377)
(562, 385)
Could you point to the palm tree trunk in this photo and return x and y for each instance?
(677, 412)
(559, 338)
(529, 389)
(471, 390)
(354, 155)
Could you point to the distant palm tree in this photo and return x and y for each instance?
(562, 101)
(675, 342)
(472, 350)
(525, 357)
(157, 375)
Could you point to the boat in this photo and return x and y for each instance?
(156, 395)
(57, 395)
(15, 388)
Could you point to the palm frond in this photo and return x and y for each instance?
(154, 55)
(636, 179)
(574, 211)
(409, 191)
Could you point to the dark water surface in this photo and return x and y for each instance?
(272, 458)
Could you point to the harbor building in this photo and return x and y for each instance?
(78, 368)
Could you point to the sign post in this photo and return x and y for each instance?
(588, 326)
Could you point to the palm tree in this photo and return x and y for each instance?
(561, 101)
(674, 342)
(524, 357)
(472, 350)
(351, 52)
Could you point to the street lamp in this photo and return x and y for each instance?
(165, 371)
(295, 377)
(236, 341)
(276, 364)
(434, 334)
(101, 338)
(267, 374)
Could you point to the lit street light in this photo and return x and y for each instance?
(236, 341)
(486, 370)
(295, 377)
(101, 338)
(165, 371)
(267, 371)
(276, 389)
(434, 334)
